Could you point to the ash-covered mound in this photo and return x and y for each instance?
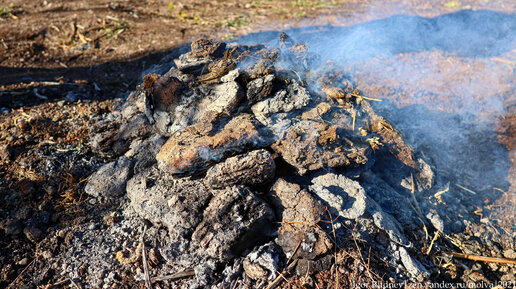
(251, 166)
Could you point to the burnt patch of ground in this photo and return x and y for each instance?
(45, 37)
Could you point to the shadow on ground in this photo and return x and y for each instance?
(102, 81)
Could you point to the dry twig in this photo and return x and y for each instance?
(300, 80)
(335, 248)
(482, 258)
(466, 189)
(280, 278)
(144, 261)
(19, 276)
(413, 193)
(183, 274)
(236, 283)
(432, 242)
(75, 284)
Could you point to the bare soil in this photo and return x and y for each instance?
(66, 64)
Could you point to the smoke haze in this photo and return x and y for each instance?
(446, 81)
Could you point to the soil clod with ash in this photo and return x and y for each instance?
(244, 166)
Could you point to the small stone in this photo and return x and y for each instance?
(5, 153)
(509, 253)
(71, 96)
(165, 90)
(231, 76)
(47, 254)
(61, 233)
(191, 66)
(205, 48)
(111, 219)
(109, 181)
(413, 266)
(50, 188)
(32, 233)
(149, 193)
(424, 176)
(284, 101)
(13, 227)
(457, 226)
(436, 221)
(23, 262)
(254, 168)
(387, 223)
(306, 267)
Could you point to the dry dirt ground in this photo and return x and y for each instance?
(65, 64)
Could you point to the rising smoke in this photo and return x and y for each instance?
(443, 81)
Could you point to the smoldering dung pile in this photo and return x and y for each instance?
(244, 157)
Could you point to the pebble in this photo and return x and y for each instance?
(71, 96)
(61, 233)
(509, 253)
(436, 221)
(23, 262)
(13, 227)
(50, 189)
(457, 227)
(32, 233)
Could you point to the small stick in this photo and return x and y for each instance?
(307, 271)
(75, 284)
(335, 238)
(498, 189)
(278, 279)
(354, 118)
(482, 258)
(183, 274)
(59, 282)
(413, 193)
(5, 45)
(300, 80)
(432, 242)
(40, 96)
(438, 194)
(295, 251)
(236, 283)
(365, 97)
(144, 260)
(466, 189)
(19, 276)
